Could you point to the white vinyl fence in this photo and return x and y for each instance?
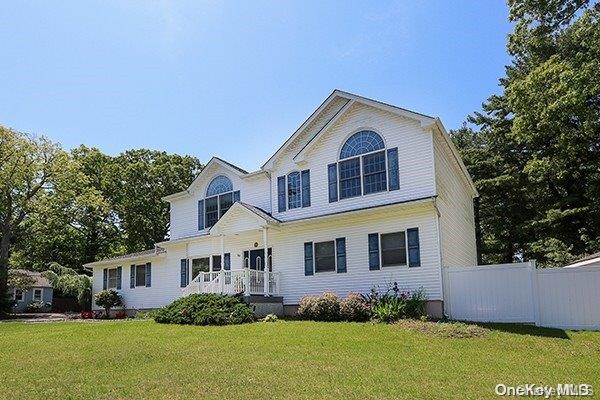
(556, 297)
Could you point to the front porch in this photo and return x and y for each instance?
(243, 263)
(244, 281)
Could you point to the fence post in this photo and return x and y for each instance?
(535, 296)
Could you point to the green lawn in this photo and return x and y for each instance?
(142, 359)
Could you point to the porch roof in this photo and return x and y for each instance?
(243, 217)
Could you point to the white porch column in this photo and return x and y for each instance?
(222, 251)
(222, 270)
(266, 261)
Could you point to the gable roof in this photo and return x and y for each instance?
(592, 260)
(351, 98)
(425, 120)
(214, 160)
(257, 218)
(38, 279)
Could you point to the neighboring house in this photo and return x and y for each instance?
(41, 291)
(363, 194)
(592, 260)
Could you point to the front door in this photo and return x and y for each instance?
(255, 259)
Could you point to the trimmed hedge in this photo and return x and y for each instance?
(205, 309)
(329, 307)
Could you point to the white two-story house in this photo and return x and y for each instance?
(362, 195)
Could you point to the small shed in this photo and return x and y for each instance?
(40, 292)
(593, 260)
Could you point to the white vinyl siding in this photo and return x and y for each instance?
(415, 158)
(455, 203)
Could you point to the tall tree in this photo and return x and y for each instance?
(536, 157)
(139, 179)
(28, 167)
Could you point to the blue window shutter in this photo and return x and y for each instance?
(306, 188)
(227, 261)
(185, 276)
(246, 262)
(148, 274)
(132, 276)
(236, 196)
(308, 258)
(104, 278)
(281, 193)
(414, 255)
(200, 215)
(340, 244)
(332, 176)
(393, 171)
(373, 251)
(119, 275)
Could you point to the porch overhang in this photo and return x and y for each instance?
(242, 217)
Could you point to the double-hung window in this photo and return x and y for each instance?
(18, 295)
(328, 256)
(293, 190)
(364, 167)
(140, 275)
(112, 278)
(325, 256)
(38, 294)
(394, 249)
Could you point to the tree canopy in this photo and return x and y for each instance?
(76, 207)
(535, 149)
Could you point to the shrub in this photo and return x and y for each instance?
(390, 310)
(108, 299)
(121, 315)
(146, 314)
(205, 309)
(415, 304)
(37, 306)
(87, 315)
(355, 308)
(325, 307)
(394, 304)
(270, 318)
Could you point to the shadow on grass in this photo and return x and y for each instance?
(524, 329)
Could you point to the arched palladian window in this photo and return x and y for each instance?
(218, 185)
(364, 167)
(220, 196)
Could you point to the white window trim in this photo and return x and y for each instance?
(287, 193)
(41, 294)
(191, 262)
(362, 176)
(20, 298)
(135, 286)
(381, 250)
(314, 243)
(108, 287)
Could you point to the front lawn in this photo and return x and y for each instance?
(142, 359)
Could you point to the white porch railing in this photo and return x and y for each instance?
(246, 281)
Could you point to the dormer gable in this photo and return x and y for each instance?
(215, 167)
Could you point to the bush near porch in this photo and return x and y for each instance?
(205, 309)
(285, 360)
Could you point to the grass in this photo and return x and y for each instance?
(287, 360)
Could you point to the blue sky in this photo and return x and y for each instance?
(236, 78)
